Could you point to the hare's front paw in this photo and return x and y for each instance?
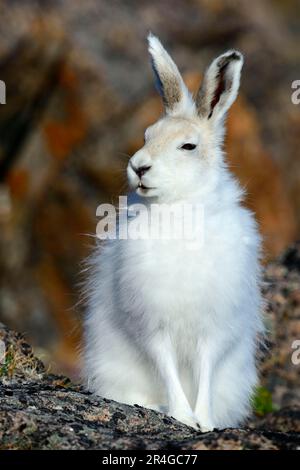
(206, 427)
(187, 417)
(204, 419)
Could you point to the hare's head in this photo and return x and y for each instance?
(181, 155)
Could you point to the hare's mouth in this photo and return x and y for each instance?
(143, 187)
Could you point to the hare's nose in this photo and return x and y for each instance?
(142, 170)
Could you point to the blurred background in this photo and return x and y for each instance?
(79, 95)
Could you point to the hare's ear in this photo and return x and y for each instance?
(169, 82)
(220, 86)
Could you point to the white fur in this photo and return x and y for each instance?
(168, 327)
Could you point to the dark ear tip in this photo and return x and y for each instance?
(235, 55)
(230, 56)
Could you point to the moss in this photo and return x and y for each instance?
(15, 360)
(262, 402)
(7, 367)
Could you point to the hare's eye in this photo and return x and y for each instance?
(188, 146)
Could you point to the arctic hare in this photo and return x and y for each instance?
(169, 327)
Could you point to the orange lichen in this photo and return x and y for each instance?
(65, 133)
(18, 181)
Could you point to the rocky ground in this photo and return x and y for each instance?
(43, 411)
(39, 410)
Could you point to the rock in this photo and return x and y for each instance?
(282, 294)
(39, 410)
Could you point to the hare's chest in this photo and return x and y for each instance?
(184, 284)
(174, 278)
